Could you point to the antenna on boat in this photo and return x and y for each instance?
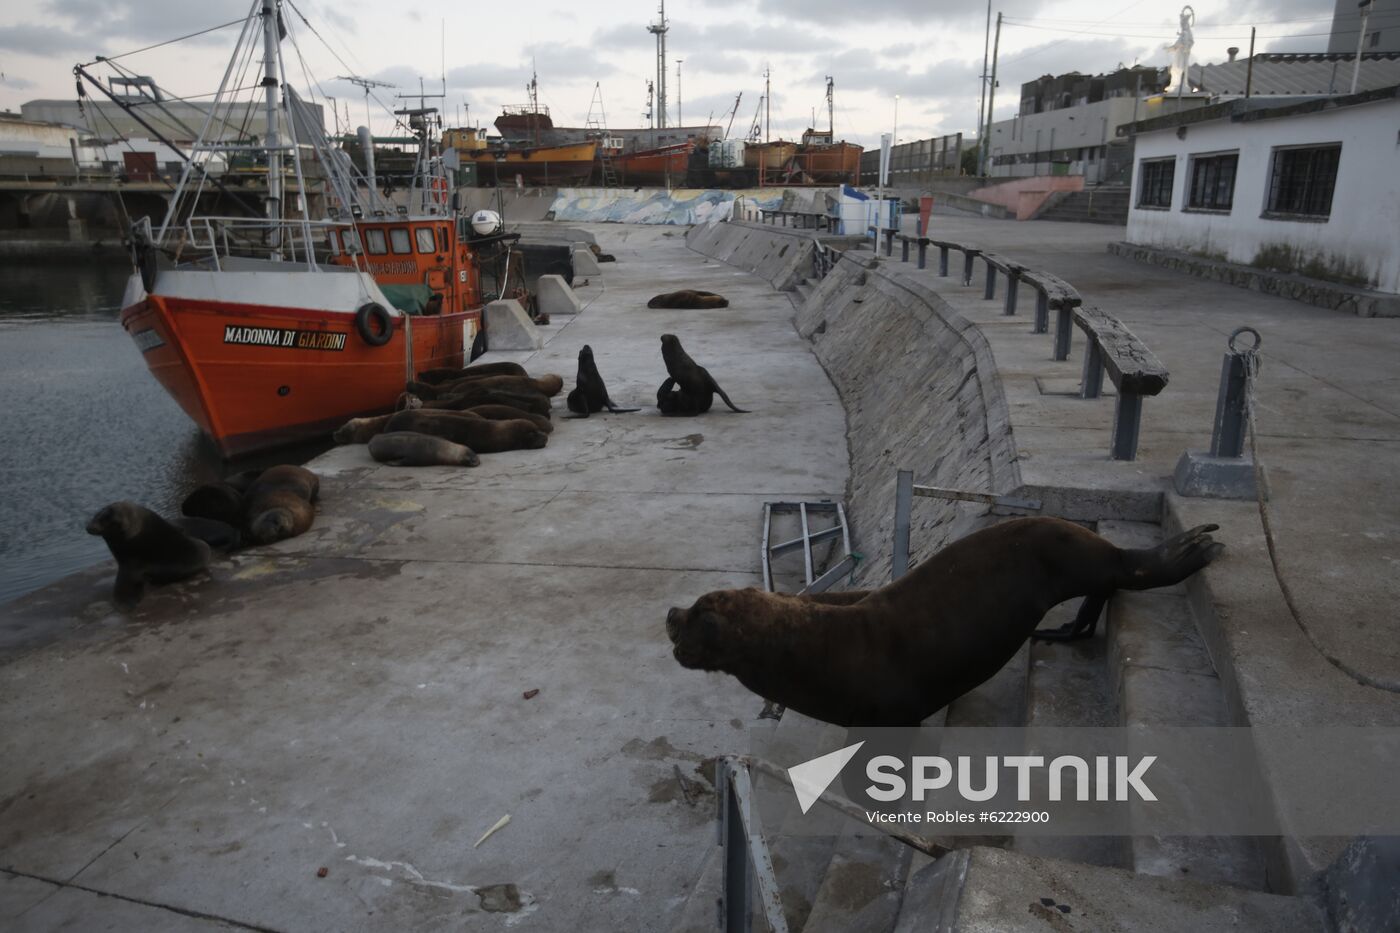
(365, 83)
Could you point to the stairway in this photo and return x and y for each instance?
(1106, 204)
(1146, 664)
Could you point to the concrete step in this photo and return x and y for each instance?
(983, 889)
(1163, 675)
(863, 886)
(1096, 205)
(1068, 685)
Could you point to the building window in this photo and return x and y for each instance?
(1155, 182)
(1302, 179)
(1213, 182)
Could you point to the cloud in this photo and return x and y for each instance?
(147, 19)
(47, 40)
(912, 11)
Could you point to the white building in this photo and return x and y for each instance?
(1309, 186)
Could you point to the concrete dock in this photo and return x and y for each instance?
(354, 700)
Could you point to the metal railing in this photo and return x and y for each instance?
(289, 240)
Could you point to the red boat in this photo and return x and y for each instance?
(277, 330)
(664, 166)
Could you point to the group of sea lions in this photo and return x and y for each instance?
(457, 414)
(688, 389)
(252, 507)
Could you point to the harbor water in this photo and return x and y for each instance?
(82, 423)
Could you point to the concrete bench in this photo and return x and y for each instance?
(1135, 370)
(1053, 292)
(970, 253)
(922, 241)
(1012, 270)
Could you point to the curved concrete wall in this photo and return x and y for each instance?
(921, 393)
(781, 255)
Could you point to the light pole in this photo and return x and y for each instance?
(894, 136)
(680, 121)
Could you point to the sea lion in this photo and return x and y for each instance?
(503, 368)
(895, 655)
(220, 536)
(278, 504)
(509, 413)
(689, 299)
(590, 394)
(689, 388)
(599, 255)
(548, 385)
(148, 549)
(408, 448)
(360, 430)
(422, 390)
(480, 434)
(532, 402)
(220, 502)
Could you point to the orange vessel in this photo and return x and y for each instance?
(662, 166)
(269, 331)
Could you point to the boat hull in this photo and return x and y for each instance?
(669, 164)
(544, 165)
(255, 377)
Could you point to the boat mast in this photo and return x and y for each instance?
(768, 110)
(659, 29)
(270, 85)
(830, 108)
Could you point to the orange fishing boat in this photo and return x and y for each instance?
(269, 331)
(535, 165)
(666, 165)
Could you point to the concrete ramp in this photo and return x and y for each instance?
(780, 255)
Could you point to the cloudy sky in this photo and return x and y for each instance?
(928, 52)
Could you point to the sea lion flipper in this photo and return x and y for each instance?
(720, 392)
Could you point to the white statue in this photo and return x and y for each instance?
(1181, 51)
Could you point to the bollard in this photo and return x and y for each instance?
(1064, 322)
(1225, 472)
(904, 249)
(989, 290)
(1013, 279)
(943, 261)
(923, 252)
(918, 226)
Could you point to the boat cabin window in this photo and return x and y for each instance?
(398, 239)
(333, 242)
(352, 242)
(425, 239)
(374, 239)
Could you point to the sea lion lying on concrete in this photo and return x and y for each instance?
(360, 430)
(408, 448)
(148, 549)
(220, 502)
(509, 413)
(533, 402)
(590, 394)
(503, 368)
(896, 655)
(480, 434)
(548, 385)
(689, 299)
(689, 388)
(220, 536)
(599, 255)
(279, 505)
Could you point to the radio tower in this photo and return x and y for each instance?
(659, 30)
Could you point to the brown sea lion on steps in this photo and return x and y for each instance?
(688, 299)
(408, 448)
(480, 434)
(278, 504)
(147, 548)
(475, 371)
(896, 655)
(689, 388)
(220, 502)
(360, 430)
(589, 394)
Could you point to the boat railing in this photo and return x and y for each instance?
(292, 240)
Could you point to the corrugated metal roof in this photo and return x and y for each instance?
(1290, 74)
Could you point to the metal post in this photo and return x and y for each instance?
(967, 267)
(1091, 383)
(1013, 279)
(889, 242)
(1228, 435)
(904, 249)
(1127, 420)
(989, 290)
(943, 261)
(923, 252)
(1063, 323)
(903, 505)
(1042, 312)
(736, 905)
